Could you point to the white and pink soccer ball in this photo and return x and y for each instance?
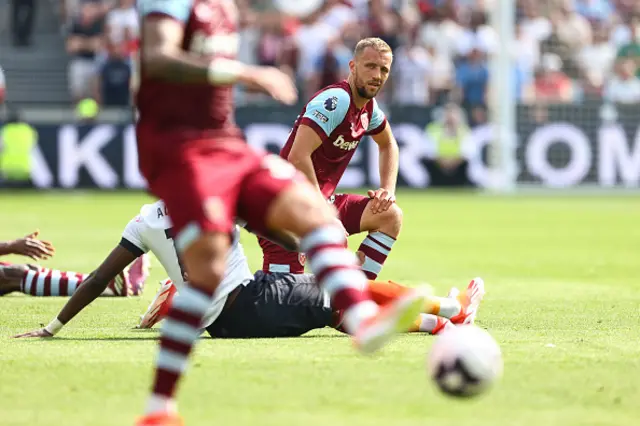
(464, 361)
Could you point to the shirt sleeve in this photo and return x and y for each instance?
(177, 9)
(132, 237)
(378, 120)
(326, 111)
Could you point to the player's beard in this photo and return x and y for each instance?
(361, 88)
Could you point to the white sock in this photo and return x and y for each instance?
(449, 307)
(354, 316)
(161, 404)
(338, 274)
(428, 322)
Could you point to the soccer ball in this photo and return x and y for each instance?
(464, 361)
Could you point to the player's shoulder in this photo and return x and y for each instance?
(375, 107)
(155, 215)
(332, 99)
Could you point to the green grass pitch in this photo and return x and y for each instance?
(559, 270)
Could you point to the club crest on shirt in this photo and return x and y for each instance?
(302, 258)
(330, 104)
(355, 132)
(364, 119)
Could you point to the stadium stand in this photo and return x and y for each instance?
(566, 49)
(36, 74)
(575, 62)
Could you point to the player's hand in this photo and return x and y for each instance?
(381, 200)
(32, 247)
(37, 333)
(277, 84)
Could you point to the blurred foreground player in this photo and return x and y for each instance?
(323, 140)
(38, 281)
(193, 157)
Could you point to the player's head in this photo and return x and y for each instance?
(370, 66)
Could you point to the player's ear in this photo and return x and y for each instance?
(352, 65)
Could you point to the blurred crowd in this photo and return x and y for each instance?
(564, 50)
(102, 41)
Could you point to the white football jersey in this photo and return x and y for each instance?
(150, 231)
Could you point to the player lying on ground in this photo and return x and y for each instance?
(38, 281)
(267, 305)
(289, 305)
(151, 231)
(323, 140)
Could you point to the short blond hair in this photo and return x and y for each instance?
(376, 43)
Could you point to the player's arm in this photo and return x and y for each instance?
(163, 58)
(89, 291)
(94, 286)
(131, 247)
(323, 114)
(305, 143)
(380, 131)
(162, 55)
(389, 158)
(29, 246)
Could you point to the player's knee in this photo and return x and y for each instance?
(300, 209)
(13, 272)
(11, 277)
(323, 213)
(317, 214)
(391, 221)
(205, 260)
